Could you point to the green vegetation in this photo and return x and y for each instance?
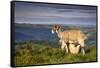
(37, 53)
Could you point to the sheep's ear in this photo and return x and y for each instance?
(55, 26)
(58, 27)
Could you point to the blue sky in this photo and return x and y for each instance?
(38, 13)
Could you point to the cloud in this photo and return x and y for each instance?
(37, 12)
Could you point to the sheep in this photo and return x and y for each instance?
(70, 36)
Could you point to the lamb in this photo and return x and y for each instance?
(73, 49)
(70, 36)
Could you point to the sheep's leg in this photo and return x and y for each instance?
(60, 41)
(62, 44)
(65, 46)
(83, 50)
(82, 46)
(62, 47)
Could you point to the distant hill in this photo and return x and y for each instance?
(24, 25)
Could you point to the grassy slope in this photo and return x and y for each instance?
(43, 53)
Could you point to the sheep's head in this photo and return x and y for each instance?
(55, 28)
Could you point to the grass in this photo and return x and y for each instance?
(35, 53)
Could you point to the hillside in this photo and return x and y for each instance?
(37, 53)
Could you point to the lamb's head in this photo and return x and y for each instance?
(55, 28)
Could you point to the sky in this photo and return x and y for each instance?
(39, 13)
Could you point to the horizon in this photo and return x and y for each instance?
(57, 24)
